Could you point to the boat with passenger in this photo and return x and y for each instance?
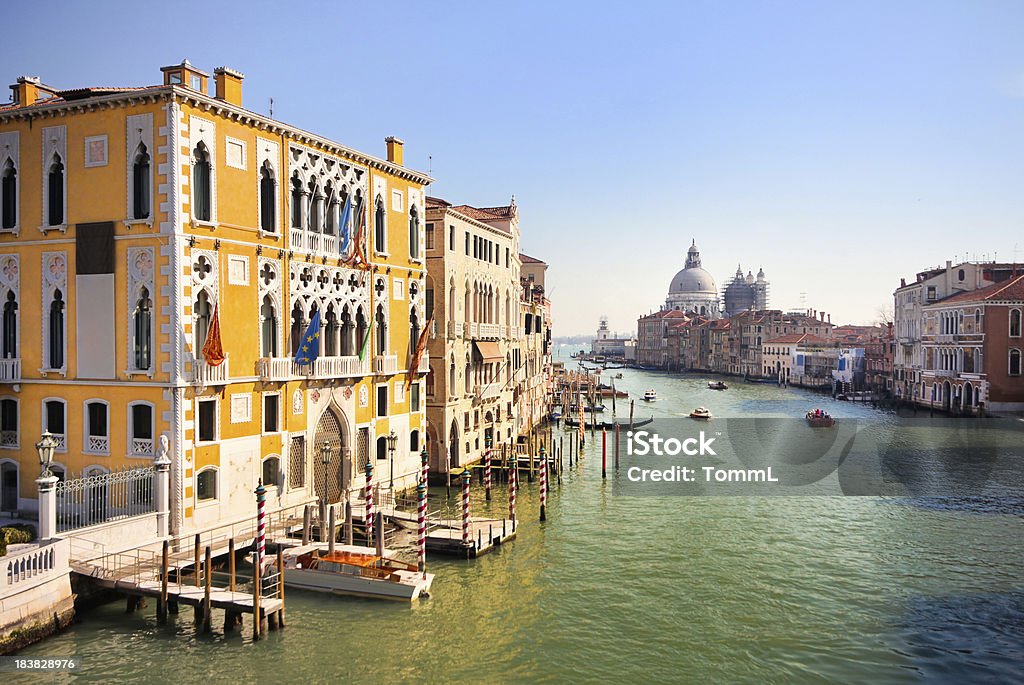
(700, 413)
(818, 418)
(651, 395)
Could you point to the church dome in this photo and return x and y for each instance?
(693, 280)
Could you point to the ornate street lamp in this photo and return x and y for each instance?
(45, 447)
(392, 444)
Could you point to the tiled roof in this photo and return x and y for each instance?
(527, 259)
(437, 202)
(73, 94)
(1012, 289)
(796, 339)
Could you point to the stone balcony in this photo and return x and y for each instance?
(488, 331)
(276, 369)
(10, 370)
(385, 364)
(319, 244)
(454, 329)
(204, 374)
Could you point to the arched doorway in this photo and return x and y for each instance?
(328, 478)
(9, 486)
(453, 446)
(947, 392)
(968, 397)
(489, 429)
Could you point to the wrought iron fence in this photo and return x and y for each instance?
(104, 497)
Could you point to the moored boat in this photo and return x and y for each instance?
(650, 395)
(700, 413)
(717, 385)
(817, 418)
(353, 570)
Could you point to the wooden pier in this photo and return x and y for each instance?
(485, 535)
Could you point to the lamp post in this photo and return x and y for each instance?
(47, 483)
(45, 447)
(392, 444)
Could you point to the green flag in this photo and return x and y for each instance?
(366, 343)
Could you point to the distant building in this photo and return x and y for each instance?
(605, 344)
(693, 289)
(745, 293)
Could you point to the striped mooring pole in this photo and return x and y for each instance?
(487, 471)
(261, 525)
(369, 503)
(543, 484)
(424, 468)
(465, 507)
(421, 492)
(513, 479)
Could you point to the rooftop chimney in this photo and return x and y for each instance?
(229, 85)
(395, 155)
(26, 90)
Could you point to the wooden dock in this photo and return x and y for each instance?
(484, 536)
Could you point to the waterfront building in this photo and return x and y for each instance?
(972, 347)
(812, 363)
(693, 289)
(605, 344)
(745, 293)
(473, 294)
(533, 369)
(930, 286)
(137, 220)
(652, 337)
(778, 355)
(879, 353)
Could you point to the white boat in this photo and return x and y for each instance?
(353, 570)
(700, 413)
(650, 395)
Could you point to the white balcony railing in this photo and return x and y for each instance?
(10, 370)
(204, 374)
(285, 368)
(98, 444)
(142, 447)
(424, 364)
(489, 331)
(323, 244)
(488, 392)
(474, 330)
(385, 364)
(62, 444)
(454, 329)
(341, 367)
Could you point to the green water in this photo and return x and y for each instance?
(643, 589)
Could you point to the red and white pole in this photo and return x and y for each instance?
(543, 484)
(487, 472)
(425, 468)
(513, 479)
(421, 491)
(368, 493)
(261, 525)
(465, 507)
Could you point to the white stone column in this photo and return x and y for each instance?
(47, 506)
(163, 489)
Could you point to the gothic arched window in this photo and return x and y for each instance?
(142, 338)
(202, 193)
(140, 183)
(296, 202)
(10, 326)
(55, 192)
(268, 327)
(201, 312)
(9, 196)
(268, 204)
(56, 351)
(381, 331)
(379, 228)
(414, 233)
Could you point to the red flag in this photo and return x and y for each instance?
(421, 344)
(213, 351)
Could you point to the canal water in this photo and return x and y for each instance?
(645, 589)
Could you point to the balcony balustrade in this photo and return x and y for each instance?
(274, 369)
(385, 364)
(10, 370)
(204, 374)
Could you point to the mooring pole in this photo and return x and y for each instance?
(487, 472)
(280, 585)
(543, 484)
(631, 414)
(255, 602)
(465, 508)
(231, 564)
(368, 494)
(604, 453)
(330, 531)
(513, 478)
(616, 447)
(307, 523)
(161, 609)
(207, 607)
(196, 560)
(261, 526)
(421, 494)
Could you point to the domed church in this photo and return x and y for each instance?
(693, 289)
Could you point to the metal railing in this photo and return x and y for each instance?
(105, 497)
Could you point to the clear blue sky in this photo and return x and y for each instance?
(838, 145)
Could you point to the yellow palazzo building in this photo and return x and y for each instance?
(129, 219)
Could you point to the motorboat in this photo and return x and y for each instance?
(717, 385)
(353, 570)
(819, 419)
(700, 413)
(650, 395)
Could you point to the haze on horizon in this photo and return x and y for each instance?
(838, 146)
